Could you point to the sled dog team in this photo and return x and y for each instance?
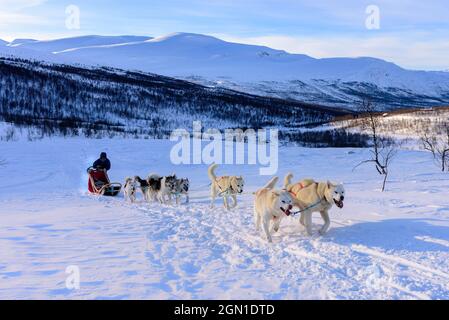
(271, 205)
(156, 188)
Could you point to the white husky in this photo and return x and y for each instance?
(130, 189)
(225, 186)
(271, 206)
(311, 196)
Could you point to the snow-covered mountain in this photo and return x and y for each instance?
(45, 50)
(52, 46)
(65, 99)
(16, 42)
(255, 69)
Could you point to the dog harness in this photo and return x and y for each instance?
(225, 192)
(301, 187)
(305, 209)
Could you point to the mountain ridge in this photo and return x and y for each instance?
(55, 45)
(255, 69)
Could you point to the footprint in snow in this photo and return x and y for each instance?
(190, 268)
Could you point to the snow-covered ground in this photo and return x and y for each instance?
(392, 245)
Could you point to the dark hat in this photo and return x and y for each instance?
(103, 155)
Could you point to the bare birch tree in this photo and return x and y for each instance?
(439, 147)
(383, 150)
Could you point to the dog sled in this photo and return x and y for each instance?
(100, 184)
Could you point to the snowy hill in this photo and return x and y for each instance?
(258, 69)
(254, 69)
(124, 102)
(51, 46)
(45, 50)
(185, 55)
(16, 42)
(16, 51)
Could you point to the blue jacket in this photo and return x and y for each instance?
(103, 164)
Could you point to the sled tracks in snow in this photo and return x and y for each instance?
(203, 253)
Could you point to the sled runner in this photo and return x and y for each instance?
(99, 183)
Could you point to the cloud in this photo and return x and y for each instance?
(8, 19)
(14, 5)
(397, 14)
(12, 13)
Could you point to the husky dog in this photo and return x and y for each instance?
(168, 187)
(143, 183)
(311, 196)
(225, 186)
(154, 182)
(130, 189)
(182, 188)
(271, 205)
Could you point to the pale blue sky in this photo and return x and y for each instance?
(414, 34)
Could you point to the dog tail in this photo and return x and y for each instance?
(287, 180)
(211, 172)
(271, 183)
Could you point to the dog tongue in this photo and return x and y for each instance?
(340, 204)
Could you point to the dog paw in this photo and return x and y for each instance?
(322, 232)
